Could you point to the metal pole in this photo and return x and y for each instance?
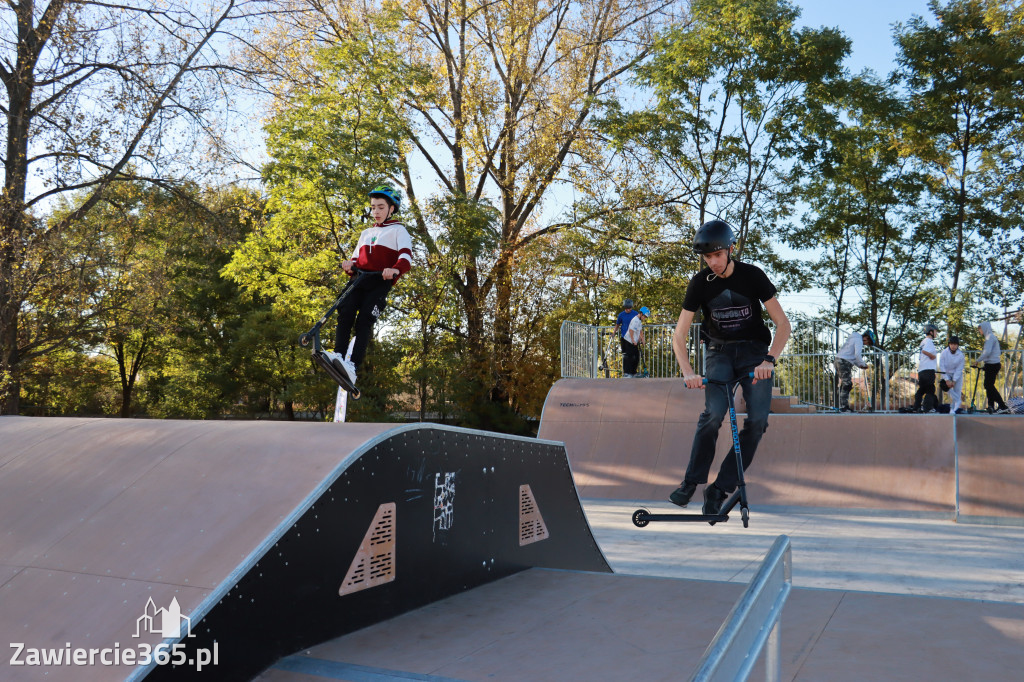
(773, 655)
(885, 379)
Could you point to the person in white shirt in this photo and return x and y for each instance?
(951, 364)
(926, 366)
(848, 356)
(634, 338)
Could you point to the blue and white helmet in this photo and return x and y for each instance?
(388, 194)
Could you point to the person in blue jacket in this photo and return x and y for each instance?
(630, 354)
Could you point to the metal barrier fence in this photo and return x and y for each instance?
(890, 381)
(592, 352)
(807, 370)
(752, 624)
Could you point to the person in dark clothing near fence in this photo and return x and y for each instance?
(630, 354)
(731, 295)
(989, 363)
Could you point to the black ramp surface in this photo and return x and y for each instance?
(424, 512)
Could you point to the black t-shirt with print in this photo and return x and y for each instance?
(731, 305)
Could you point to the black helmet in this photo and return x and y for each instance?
(712, 236)
(628, 303)
(928, 328)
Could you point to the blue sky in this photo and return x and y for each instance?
(867, 23)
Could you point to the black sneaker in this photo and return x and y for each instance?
(713, 499)
(681, 495)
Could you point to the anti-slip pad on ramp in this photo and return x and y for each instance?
(256, 538)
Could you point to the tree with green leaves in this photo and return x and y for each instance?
(729, 86)
(877, 250)
(227, 350)
(487, 106)
(94, 93)
(964, 77)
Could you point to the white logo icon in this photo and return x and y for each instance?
(163, 622)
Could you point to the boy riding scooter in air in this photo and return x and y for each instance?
(382, 255)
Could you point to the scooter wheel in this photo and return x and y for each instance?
(745, 516)
(305, 340)
(640, 518)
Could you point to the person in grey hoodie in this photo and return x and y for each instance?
(989, 360)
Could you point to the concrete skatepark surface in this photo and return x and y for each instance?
(876, 597)
(880, 593)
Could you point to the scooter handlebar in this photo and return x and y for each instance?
(706, 381)
(355, 272)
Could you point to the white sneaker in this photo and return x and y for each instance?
(350, 369)
(339, 361)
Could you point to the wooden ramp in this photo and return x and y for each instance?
(630, 439)
(370, 551)
(256, 539)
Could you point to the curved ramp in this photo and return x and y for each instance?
(630, 439)
(268, 536)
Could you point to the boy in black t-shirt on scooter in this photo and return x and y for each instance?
(730, 295)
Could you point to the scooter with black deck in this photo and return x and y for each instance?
(642, 517)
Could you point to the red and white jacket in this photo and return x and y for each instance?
(384, 246)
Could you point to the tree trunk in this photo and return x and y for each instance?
(124, 376)
(424, 335)
(19, 84)
(502, 374)
(129, 374)
(10, 385)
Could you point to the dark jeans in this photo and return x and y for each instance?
(925, 390)
(725, 362)
(630, 356)
(991, 392)
(844, 368)
(360, 310)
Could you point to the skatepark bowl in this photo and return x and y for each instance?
(880, 547)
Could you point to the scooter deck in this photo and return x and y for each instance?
(641, 517)
(339, 377)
